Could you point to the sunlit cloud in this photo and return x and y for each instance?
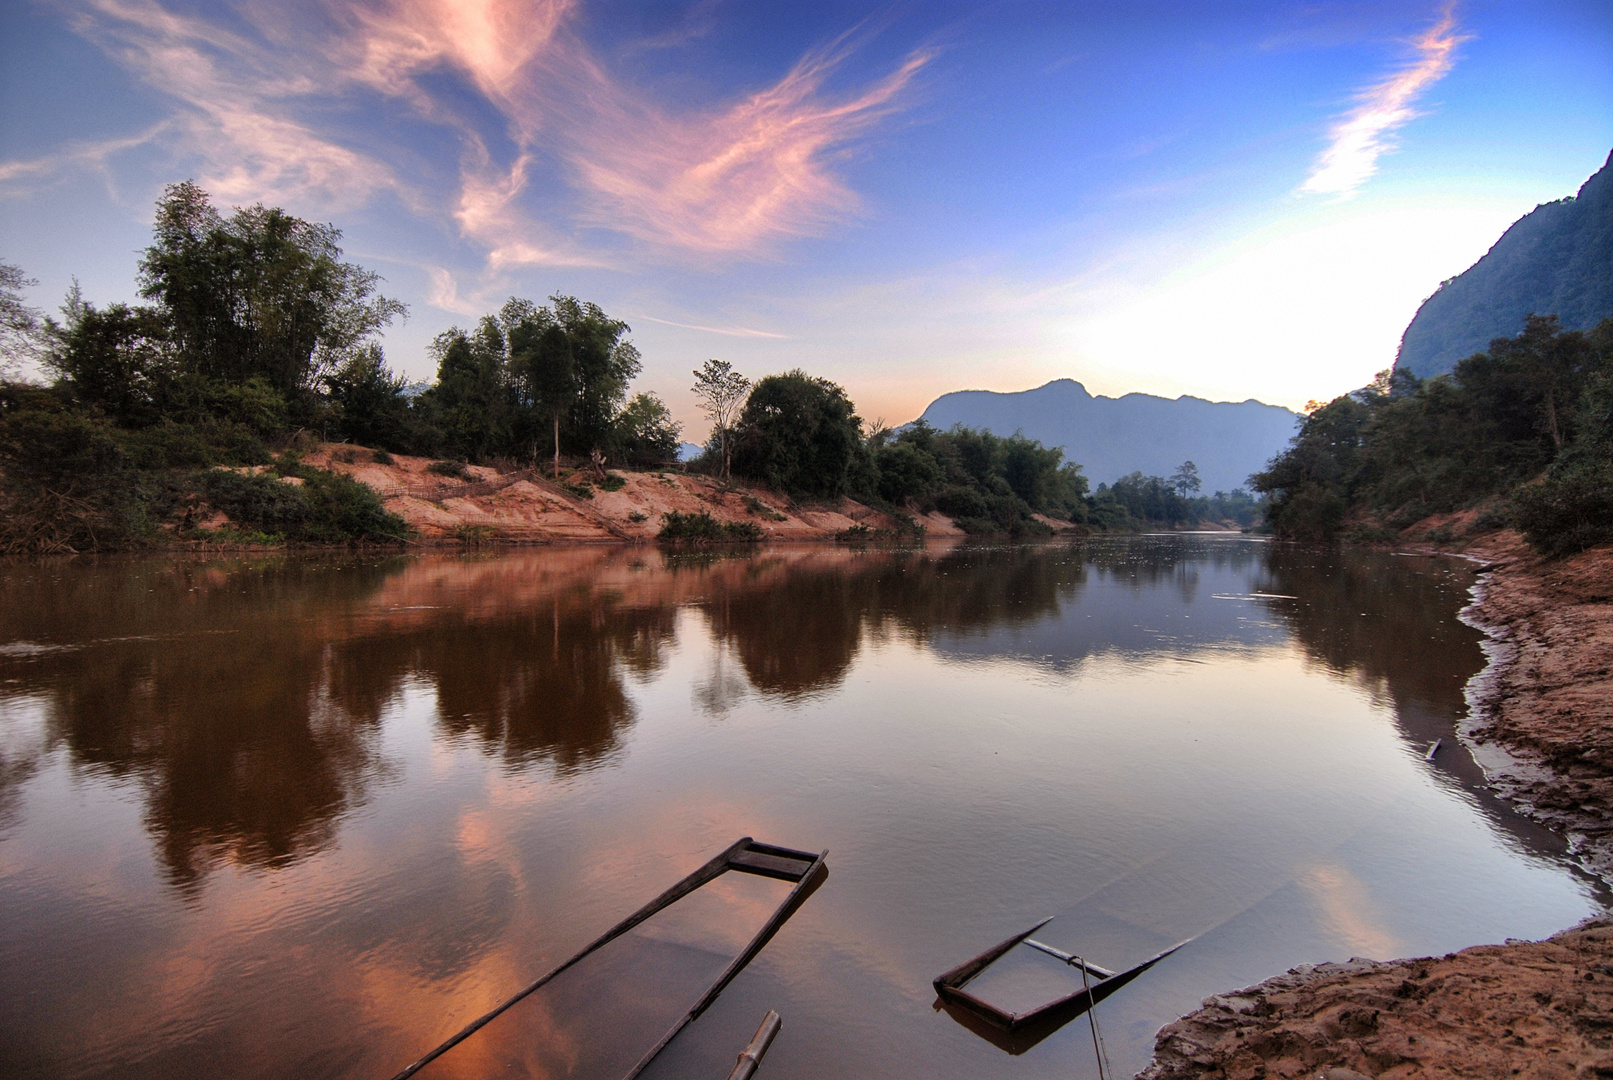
(445, 292)
(227, 89)
(735, 180)
(1360, 138)
(726, 331)
(15, 175)
(581, 152)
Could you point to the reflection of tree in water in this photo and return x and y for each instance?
(1382, 618)
(246, 701)
(196, 683)
(797, 627)
(546, 686)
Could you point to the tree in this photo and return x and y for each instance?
(114, 360)
(372, 407)
(646, 434)
(260, 293)
(722, 392)
(472, 394)
(800, 434)
(604, 363)
(1186, 479)
(21, 326)
(540, 355)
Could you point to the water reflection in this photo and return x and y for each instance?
(377, 795)
(243, 696)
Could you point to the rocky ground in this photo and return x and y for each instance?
(1541, 723)
(1538, 1011)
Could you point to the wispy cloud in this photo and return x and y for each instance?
(726, 331)
(231, 113)
(1360, 138)
(14, 175)
(263, 110)
(724, 181)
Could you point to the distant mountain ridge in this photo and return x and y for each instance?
(1555, 260)
(1110, 437)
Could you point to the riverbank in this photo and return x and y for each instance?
(526, 506)
(1540, 723)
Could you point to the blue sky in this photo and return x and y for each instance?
(1228, 200)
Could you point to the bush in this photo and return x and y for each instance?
(325, 507)
(702, 527)
(1568, 511)
(612, 482)
(453, 469)
(381, 457)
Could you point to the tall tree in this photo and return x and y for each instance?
(1186, 479)
(540, 354)
(259, 293)
(721, 391)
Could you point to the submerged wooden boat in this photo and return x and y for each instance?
(1016, 1032)
(804, 869)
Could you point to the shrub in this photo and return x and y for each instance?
(612, 482)
(702, 527)
(326, 506)
(454, 469)
(381, 457)
(1569, 510)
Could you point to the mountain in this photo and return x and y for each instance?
(1555, 260)
(1110, 437)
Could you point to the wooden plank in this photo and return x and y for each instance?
(754, 862)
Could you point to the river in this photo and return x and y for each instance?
(307, 815)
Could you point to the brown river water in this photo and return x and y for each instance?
(306, 816)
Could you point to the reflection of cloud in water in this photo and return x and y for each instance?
(1347, 909)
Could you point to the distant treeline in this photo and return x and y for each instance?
(256, 338)
(1524, 432)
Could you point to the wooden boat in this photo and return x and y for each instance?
(1017, 1032)
(745, 856)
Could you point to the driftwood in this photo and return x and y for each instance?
(1017, 1032)
(745, 856)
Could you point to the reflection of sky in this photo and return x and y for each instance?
(1254, 798)
(1199, 607)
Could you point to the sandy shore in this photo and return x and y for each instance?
(1540, 723)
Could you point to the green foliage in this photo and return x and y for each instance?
(612, 482)
(1405, 448)
(257, 294)
(325, 507)
(800, 435)
(645, 433)
(703, 528)
(452, 469)
(986, 483)
(756, 507)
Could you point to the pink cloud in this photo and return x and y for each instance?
(727, 181)
(730, 180)
(231, 115)
(1360, 138)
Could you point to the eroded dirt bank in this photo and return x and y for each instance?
(1541, 716)
(1538, 1011)
(1541, 724)
(528, 507)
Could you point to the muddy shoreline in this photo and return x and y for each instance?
(1540, 725)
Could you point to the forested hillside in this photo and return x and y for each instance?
(1522, 432)
(1556, 260)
